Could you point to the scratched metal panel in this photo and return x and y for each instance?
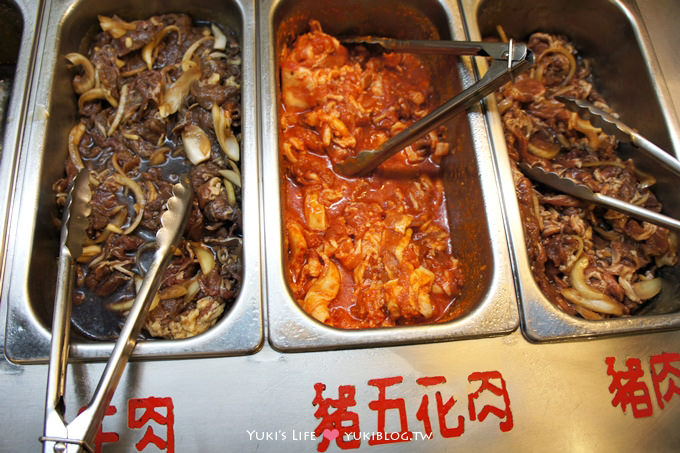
(558, 395)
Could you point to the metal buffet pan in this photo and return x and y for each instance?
(33, 238)
(487, 305)
(17, 33)
(611, 34)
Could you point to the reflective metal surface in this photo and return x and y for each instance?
(487, 304)
(627, 75)
(29, 288)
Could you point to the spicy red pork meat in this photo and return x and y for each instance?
(366, 252)
(157, 99)
(589, 261)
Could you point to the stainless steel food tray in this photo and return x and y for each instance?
(31, 265)
(488, 305)
(627, 75)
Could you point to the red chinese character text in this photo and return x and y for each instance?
(633, 391)
(150, 406)
(103, 437)
(666, 372)
(382, 405)
(442, 410)
(504, 414)
(331, 426)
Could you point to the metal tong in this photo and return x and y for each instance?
(509, 59)
(613, 126)
(79, 434)
(580, 191)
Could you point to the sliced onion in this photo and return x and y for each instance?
(86, 82)
(234, 167)
(89, 252)
(542, 152)
(187, 59)
(151, 191)
(139, 198)
(196, 144)
(583, 126)
(608, 235)
(149, 50)
(121, 306)
(205, 259)
(74, 138)
(172, 292)
(220, 39)
(159, 156)
(560, 50)
(214, 79)
(132, 72)
(578, 280)
(222, 124)
(588, 314)
(646, 289)
(116, 27)
(597, 305)
(173, 96)
(112, 227)
(96, 93)
(595, 300)
(573, 258)
(192, 289)
(231, 176)
(122, 270)
(231, 148)
(231, 194)
(119, 111)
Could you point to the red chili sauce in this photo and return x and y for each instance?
(372, 251)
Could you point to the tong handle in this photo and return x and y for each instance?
(74, 223)
(656, 153)
(79, 434)
(636, 211)
(495, 50)
(614, 126)
(497, 75)
(173, 222)
(55, 427)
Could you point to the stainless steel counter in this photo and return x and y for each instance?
(563, 396)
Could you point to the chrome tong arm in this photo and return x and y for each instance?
(614, 126)
(79, 434)
(74, 224)
(509, 60)
(495, 50)
(582, 192)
